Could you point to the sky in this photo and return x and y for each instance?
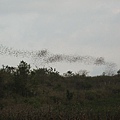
(79, 27)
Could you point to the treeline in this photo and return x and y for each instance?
(68, 96)
(23, 81)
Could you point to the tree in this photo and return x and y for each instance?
(1, 87)
(6, 80)
(21, 78)
(82, 73)
(103, 74)
(68, 74)
(118, 72)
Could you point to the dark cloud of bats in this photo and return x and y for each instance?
(45, 57)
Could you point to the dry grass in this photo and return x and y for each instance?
(47, 112)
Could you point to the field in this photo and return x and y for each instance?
(44, 94)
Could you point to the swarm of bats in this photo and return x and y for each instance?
(46, 57)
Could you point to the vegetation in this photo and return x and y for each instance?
(44, 94)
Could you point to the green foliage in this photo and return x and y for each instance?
(118, 72)
(44, 94)
(92, 95)
(69, 74)
(1, 87)
(69, 95)
(85, 85)
(21, 78)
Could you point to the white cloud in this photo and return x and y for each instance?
(116, 11)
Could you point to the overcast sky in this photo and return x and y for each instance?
(82, 27)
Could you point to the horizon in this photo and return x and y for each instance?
(44, 58)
